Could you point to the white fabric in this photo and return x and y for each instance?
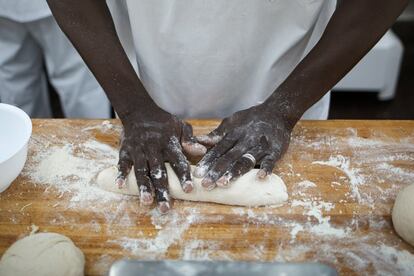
(26, 48)
(24, 10)
(210, 58)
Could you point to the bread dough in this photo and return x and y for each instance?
(43, 254)
(403, 214)
(245, 191)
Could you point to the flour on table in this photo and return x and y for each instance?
(70, 169)
(245, 191)
(310, 219)
(306, 184)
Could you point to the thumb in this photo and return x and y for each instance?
(213, 137)
(189, 142)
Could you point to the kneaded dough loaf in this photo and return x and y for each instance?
(43, 254)
(245, 191)
(403, 214)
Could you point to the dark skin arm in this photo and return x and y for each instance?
(151, 136)
(264, 130)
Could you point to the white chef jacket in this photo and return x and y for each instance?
(211, 58)
(31, 38)
(24, 10)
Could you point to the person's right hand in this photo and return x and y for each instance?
(149, 139)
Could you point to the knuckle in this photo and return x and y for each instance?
(231, 136)
(223, 161)
(223, 164)
(140, 171)
(162, 194)
(158, 173)
(264, 142)
(243, 168)
(180, 167)
(222, 146)
(270, 164)
(144, 188)
(244, 162)
(209, 156)
(123, 154)
(143, 180)
(122, 162)
(213, 174)
(174, 144)
(124, 168)
(240, 148)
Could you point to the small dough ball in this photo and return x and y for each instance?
(403, 214)
(43, 254)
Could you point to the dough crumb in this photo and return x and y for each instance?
(34, 228)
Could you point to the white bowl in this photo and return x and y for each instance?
(15, 131)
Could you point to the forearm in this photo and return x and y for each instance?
(353, 30)
(89, 26)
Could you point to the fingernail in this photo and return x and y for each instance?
(203, 138)
(120, 182)
(146, 198)
(261, 174)
(209, 139)
(164, 207)
(188, 186)
(200, 171)
(199, 149)
(208, 184)
(224, 181)
(195, 148)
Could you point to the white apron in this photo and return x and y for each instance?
(211, 58)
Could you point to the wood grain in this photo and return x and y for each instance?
(348, 171)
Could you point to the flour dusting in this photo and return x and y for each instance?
(171, 227)
(71, 169)
(306, 184)
(323, 226)
(344, 164)
(314, 225)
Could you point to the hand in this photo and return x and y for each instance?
(149, 139)
(255, 134)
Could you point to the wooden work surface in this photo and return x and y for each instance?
(342, 179)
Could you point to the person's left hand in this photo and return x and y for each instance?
(256, 135)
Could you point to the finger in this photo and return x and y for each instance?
(207, 161)
(189, 142)
(267, 164)
(143, 180)
(158, 174)
(223, 164)
(142, 176)
(213, 137)
(124, 166)
(240, 167)
(180, 165)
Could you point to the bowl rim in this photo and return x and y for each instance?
(28, 123)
